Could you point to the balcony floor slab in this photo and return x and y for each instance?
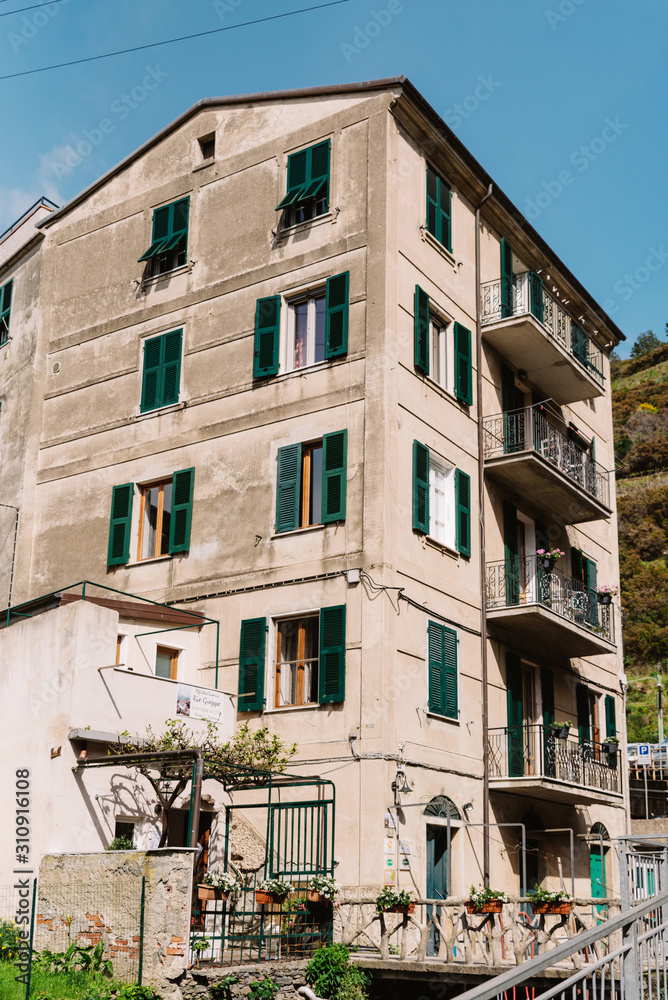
(554, 790)
(549, 490)
(535, 628)
(527, 345)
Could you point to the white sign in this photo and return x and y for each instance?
(199, 703)
(643, 752)
(404, 847)
(389, 845)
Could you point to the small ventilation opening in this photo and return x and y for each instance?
(207, 145)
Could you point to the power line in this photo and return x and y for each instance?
(169, 41)
(8, 13)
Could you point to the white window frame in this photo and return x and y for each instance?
(448, 535)
(291, 300)
(444, 355)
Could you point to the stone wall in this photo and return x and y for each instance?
(195, 983)
(89, 898)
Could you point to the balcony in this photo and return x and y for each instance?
(547, 612)
(529, 455)
(535, 334)
(530, 760)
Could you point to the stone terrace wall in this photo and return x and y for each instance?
(89, 898)
(194, 984)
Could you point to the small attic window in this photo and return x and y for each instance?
(207, 146)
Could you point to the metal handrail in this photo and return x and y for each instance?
(516, 976)
(530, 429)
(529, 297)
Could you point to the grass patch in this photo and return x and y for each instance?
(54, 986)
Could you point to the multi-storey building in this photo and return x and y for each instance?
(301, 367)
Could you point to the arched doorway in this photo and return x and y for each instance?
(598, 838)
(442, 821)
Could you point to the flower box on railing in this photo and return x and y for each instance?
(491, 906)
(562, 908)
(404, 908)
(205, 892)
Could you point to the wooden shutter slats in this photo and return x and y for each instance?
(251, 665)
(181, 517)
(463, 365)
(267, 333)
(120, 523)
(336, 315)
(289, 460)
(421, 330)
(334, 476)
(420, 488)
(463, 512)
(332, 655)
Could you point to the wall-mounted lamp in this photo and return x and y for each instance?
(400, 784)
(522, 375)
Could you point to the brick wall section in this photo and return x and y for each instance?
(96, 897)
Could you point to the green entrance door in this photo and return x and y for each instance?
(597, 875)
(437, 875)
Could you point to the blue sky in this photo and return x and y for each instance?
(572, 124)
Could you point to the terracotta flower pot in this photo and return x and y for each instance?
(210, 892)
(491, 906)
(402, 908)
(264, 898)
(565, 906)
(314, 896)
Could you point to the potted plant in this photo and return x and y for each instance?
(547, 901)
(216, 885)
(611, 744)
(486, 900)
(199, 945)
(561, 729)
(272, 890)
(322, 888)
(391, 900)
(546, 558)
(605, 594)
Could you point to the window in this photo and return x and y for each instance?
(169, 242)
(439, 198)
(207, 146)
(308, 184)
(154, 520)
(161, 376)
(310, 660)
(5, 310)
(124, 828)
(316, 328)
(442, 663)
(121, 650)
(166, 662)
(441, 501)
(296, 671)
(442, 350)
(165, 518)
(311, 483)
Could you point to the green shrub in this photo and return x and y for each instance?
(221, 990)
(326, 970)
(263, 989)
(120, 844)
(354, 985)
(9, 940)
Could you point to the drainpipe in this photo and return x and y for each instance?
(483, 569)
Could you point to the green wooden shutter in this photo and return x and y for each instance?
(514, 689)
(592, 599)
(288, 493)
(582, 703)
(420, 488)
(432, 201)
(435, 667)
(183, 483)
(171, 367)
(450, 708)
(597, 875)
(251, 665)
(508, 400)
(536, 288)
(577, 565)
(542, 542)
(334, 476)
(421, 330)
(120, 524)
(610, 716)
(5, 310)
(150, 388)
(547, 696)
(463, 365)
(267, 333)
(511, 553)
(506, 279)
(318, 180)
(336, 315)
(332, 655)
(445, 218)
(463, 512)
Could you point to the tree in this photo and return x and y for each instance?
(245, 759)
(646, 343)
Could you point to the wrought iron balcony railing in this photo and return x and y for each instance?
(525, 295)
(516, 581)
(529, 429)
(535, 751)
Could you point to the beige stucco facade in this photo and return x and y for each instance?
(93, 309)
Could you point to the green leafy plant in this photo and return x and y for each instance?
(540, 895)
(325, 972)
(76, 959)
(137, 993)
(481, 896)
(326, 885)
(222, 988)
(612, 740)
(561, 725)
(120, 844)
(263, 989)
(354, 984)
(9, 940)
(388, 898)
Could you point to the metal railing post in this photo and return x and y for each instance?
(32, 937)
(140, 971)
(630, 970)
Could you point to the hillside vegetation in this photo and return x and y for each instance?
(640, 415)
